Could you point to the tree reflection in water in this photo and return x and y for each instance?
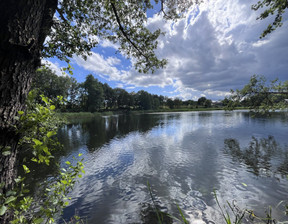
(263, 156)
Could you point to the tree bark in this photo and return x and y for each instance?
(24, 26)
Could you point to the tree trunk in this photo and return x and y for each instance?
(24, 25)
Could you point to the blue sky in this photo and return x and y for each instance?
(215, 48)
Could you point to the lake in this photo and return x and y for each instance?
(184, 157)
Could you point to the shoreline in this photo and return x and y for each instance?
(74, 115)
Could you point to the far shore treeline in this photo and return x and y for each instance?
(94, 96)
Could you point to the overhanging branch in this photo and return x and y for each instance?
(62, 16)
(125, 34)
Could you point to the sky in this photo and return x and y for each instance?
(214, 49)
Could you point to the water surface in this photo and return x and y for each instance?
(184, 157)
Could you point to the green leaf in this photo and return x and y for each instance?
(51, 133)
(26, 191)
(36, 141)
(3, 209)
(9, 193)
(39, 220)
(45, 99)
(68, 163)
(64, 182)
(10, 199)
(17, 180)
(20, 112)
(52, 107)
(26, 169)
(6, 153)
(34, 160)
(182, 215)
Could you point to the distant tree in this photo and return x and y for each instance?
(170, 103)
(109, 96)
(260, 96)
(131, 101)
(145, 100)
(192, 103)
(225, 102)
(156, 102)
(161, 101)
(177, 102)
(207, 103)
(201, 101)
(95, 95)
(123, 98)
(74, 96)
(185, 103)
(50, 84)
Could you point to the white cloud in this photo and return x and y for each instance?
(120, 85)
(107, 43)
(55, 67)
(214, 49)
(113, 61)
(219, 49)
(102, 66)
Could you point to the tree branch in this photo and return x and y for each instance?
(62, 16)
(162, 10)
(125, 34)
(286, 93)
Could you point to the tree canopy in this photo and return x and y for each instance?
(271, 7)
(260, 96)
(92, 95)
(78, 26)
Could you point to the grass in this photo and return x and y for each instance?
(230, 213)
(163, 217)
(83, 115)
(76, 115)
(75, 220)
(239, 215)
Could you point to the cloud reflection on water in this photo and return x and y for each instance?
(180, 154)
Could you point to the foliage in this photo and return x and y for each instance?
(51, 85)
(94, 91)
(170, 103)
(259, 96)
(257, 156)
(238, 216)
(75, 220)
(38, 126)
(122, 98)
(234, 215)
(94, 96)
(272, 7)
(81, 25)
(145, 100)
(163, 217)
(201, 101)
